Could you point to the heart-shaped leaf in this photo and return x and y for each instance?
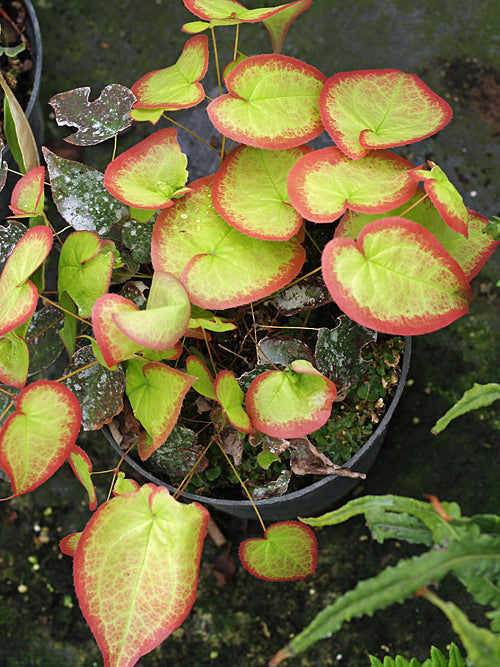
(18, 295)
(14, 360)
(124, 485)
(175, 87)
(290, 403)
(322, 184)
(156, 392)
(369, 109)
(397, 278)
(288, 551)
(27, 197)
(150, 173)
(272, 102)
(38, 437)
(204, 384)
(97, 121)
(136, 570)
(98, 389)
(219, 266)
(165, 319)
(84, 270)
(231, 397)
(260, 206)
(445, 197)
(80, 196)
(471, 253)
(82, 467)
(114, 345)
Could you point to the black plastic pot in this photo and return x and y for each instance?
(314, 498)
(33, 111)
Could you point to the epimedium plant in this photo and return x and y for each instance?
(157, 268)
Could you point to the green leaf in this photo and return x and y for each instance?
(323, 184)
(97, 121)
(124, 485)
(175, 87)
(272, 102)
(17, 129)
(479, 396)
(437, 659)
(290, 403)
(445, 197)
(144, 549)
(396, 278)
(82, 467)
(266, 459)
(84, 270)
(219, 266)
(368, 109)
(287, 552)
(14, 360)
(98, 389)
(150, 173)
(204, 384)
(114, 345)
(37, 438)
(260, 206)
(27, 197)
(231, 397)
(156, 392)
(80, 196)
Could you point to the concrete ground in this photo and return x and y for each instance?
(453, 46)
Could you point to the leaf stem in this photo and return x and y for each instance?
(171, 120)
(56, 305)
(78, 370)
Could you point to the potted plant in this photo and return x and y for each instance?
(163, 281)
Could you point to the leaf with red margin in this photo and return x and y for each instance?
(444, 196)
(136, 570)
(323, 184)
(18, 295)
(290, 403)
(150, 173)
(277, 25)
(37, 439)
(81, 465)
(165, 319)
(219, 266)
(230, 395)
(287, 552)
(175, 87)
(204, 384)
(272, 102)
(97, 121)
(156, 392)
(471, 253)
(27, 197)
(397, 278)
(124, 485)
(380, 108)
(14, 360)
(69, 543)
(258, 206)
(114, 345)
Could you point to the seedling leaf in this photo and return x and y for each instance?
(231, 397)
(124, 485)
(143, 549)
(82, 467)
(97, 121)
(204, 384)
(287, 552)
(370, 109)
(27, 197)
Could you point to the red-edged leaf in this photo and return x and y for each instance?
(114, 345)
(38, 437)
(322, 184)
(124, 485)
(260, 206)
(136, 571)
(27, 197)
(219, 266)
(290, 403)
(230, 395)
(69, 543)
(277, 25)
(175, 87)
(156, 392)
(81, 465)
(288, 551)
(14, 360)
(204, 384)
(272, 102)
(97, 121)
(150, 173)
(374, 108)
(445, 197)
(397, 278)
(471, 253)
(18, 295)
